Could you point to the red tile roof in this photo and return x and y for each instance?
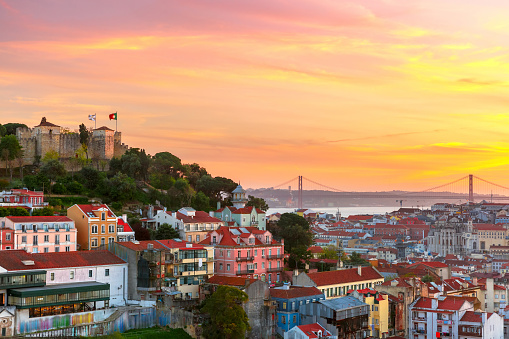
(344, 276)
(141, 245)
(29, 219)
(229, 281)
(311, 330)
(12, 260)
(199, 217)
(183, 245)
(489, 227)
(126, 227)
(450, 303)
(248, 210)
(294, 292)
(90, 208)
(474, 317)
(315, 249)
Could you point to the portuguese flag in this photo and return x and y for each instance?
(113, 116)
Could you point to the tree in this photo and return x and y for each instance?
(47, 211)
(330, 252)
(120, 187)
(355, 259)
(227, 317)
(50, 155)
(166, 231)
(257, 202)
(15, 212)
(294, 229)
(3, 130)
(200, 202)
(11, 128)
(10, 150)
(53, 169)
(427, 278)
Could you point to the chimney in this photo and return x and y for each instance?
(474, 281)
(218, 205)
(359, 270)
(434, 304)
(124, 217)
(211, 213)
(484, 317)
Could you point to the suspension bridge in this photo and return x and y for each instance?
(469, 188)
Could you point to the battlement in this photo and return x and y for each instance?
(104, 144)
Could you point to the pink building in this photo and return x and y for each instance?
(6, 238)
(22, 197)
(42, 234)
(246, 252)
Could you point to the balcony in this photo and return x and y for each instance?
(244, 258)
(275, 269)
(241, 272)
(419, 331)
(275, 256)
(419, 318)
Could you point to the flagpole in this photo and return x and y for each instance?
(95, 120)
(116, 122)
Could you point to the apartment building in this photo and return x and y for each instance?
(96, 225)
(246, 252)
(41, 234)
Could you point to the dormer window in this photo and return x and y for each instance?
(103, 216)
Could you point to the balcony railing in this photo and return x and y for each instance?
(274, 269)
(275, 256)
(240, 272)
(419, 318)
(244, 258)
(420, 330)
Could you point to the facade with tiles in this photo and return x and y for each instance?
(41, 234)
(246, 252)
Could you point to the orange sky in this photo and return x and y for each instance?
(357, 95)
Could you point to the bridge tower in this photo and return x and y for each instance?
(471, 188)
(300, 192)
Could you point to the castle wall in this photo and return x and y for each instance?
(69, 144)
(103, 145)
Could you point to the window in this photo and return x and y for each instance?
(107, 272)
(90, 273)
(197, 238)
(103, 241)
(228, 253)
(46, 250)
(35, 240)
(103, 229)
(263, 264)
(52, 276)
(57, 239)
(57, 249)
(67, 237)
(24, 239)
(256, 253)
(111, 228)
(227, 267)
(263, 253)
(71, 275)
(294, 319)
(283, 319)
(103, 216)
(190, 238)
(214, 241)
(284, 306)
(46, 238)
(94, 242)
(221, 266)
(94, 229)
(8, 237)
(67, 249)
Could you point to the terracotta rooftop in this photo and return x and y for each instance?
(229, 281)
(294, 292)
(344, 276)
(13, 260)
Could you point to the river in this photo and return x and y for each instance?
(345, 211)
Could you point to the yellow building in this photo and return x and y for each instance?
(96, 225)
(338, 283)
(378, 320)
(490, 235)
(187, 266)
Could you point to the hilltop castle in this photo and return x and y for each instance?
(104, 143)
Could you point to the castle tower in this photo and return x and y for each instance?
(239, 199)
(47, 136)
(103, 141)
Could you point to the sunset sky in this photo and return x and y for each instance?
(358, 95)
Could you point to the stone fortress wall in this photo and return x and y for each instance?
(104, 143)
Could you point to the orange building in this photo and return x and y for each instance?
(96, 225)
